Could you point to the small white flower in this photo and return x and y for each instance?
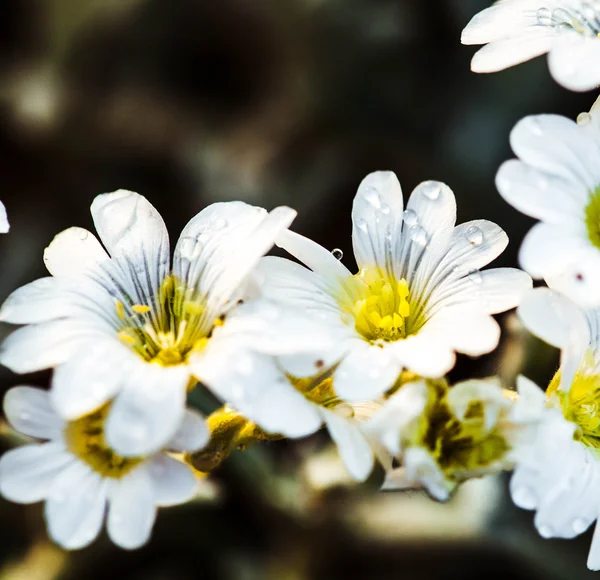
(133, 328)
(260, 389)
(557, 180)
(418, 296)
(443, 436)
(4, 225)
(80, 477)
(558, 475)
(518, 30)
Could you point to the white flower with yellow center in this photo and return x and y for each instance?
(80, 477)
(557, 180)
(558, 476)
(294, 407)
(518, 30)
(445, 435)
(418, 296)
(131, 327)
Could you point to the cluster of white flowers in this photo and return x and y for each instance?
(290, 346)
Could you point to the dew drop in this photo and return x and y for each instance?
(385, 209)
(545, 531)
(337, 254)
(475, 277)
(584, 119)
(189, 248)
(544, 17)
(431, 190)
(410, 217)
(372, 197)
(361, 224)
(83, 235)
(474, 236)
(580, 525)
(418, 235)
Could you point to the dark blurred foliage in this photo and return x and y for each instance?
(273, 102)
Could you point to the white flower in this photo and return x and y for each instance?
(558, 475)
(418, 297)
(133, 328)
(4, 225)
(518, 30)
(557, 180)
(295, 407)
(444, 436)
(80, 477)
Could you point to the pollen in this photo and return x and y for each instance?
(380, 313)
(85, 439)
(140, 308)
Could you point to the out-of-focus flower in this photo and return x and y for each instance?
(557, 180)
(518, 30)
(4, 225)
(80, 476)
(418, 297)
(294, 407)
(445, 435)
(132, 328)
(558, 475)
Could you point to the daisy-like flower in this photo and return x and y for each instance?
(558, 475)
(130, 327)
(80, 477)
(557, 180)
(444, 436)
(515, 31)
(418, 296)
(294, 407)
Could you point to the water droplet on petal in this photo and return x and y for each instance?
(385, 209)
(431, 190)
(410, 217)
(580, 525)
(189, 248)
(544, 17)
(584, 119)
(361, 224)
(545, 531)
(337, 254)
(475, 277)
(371, 196)
(474, 236)
(418, 235)
(83, 235)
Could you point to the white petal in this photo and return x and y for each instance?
(4, 225)
(531, 403)
(192, 434)
(550, 198)
(523, 487)
(174, 482)
(27, 473)
(147, 413)
(75, 507)
(421, 468)
(573, 62)
(353, 446)
(366, 372)
(427, 353)
(73, 251)
(46, 345)
(29, 411)
(580, 278)
(593, 562)
(38, 301)
(558, 146)
(508, 52)
(132, 509)
(222, 244)
(135, 236)
(91, 377)
(376, 218)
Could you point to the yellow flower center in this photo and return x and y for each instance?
(383, 307)
(170, 331)
(581, 404)
(592, 218)
(85, 440)
(317, 390)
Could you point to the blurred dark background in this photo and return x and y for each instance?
(273, 102)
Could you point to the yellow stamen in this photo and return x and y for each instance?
(140, 308)
(120, 309)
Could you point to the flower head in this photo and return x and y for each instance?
(418, 295)
(557, 180)
(517, 30)
(123, 323)
(80, 476)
